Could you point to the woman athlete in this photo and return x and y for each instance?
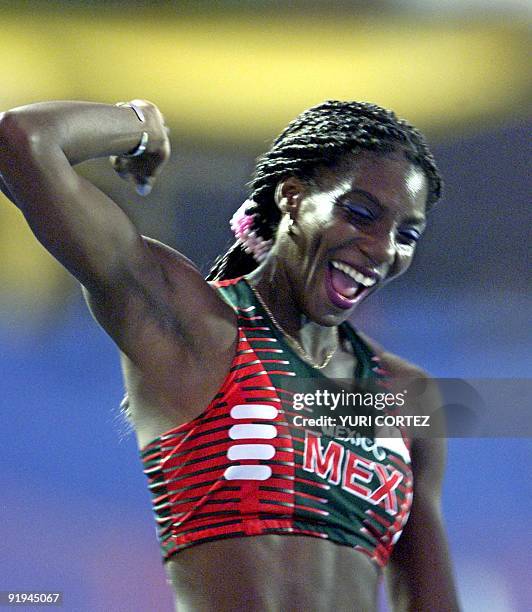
(211, 367)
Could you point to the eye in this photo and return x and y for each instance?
(359, 211)
(410, 237)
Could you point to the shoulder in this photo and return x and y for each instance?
(423, 402)
(184, 277)
(397, 366)
(168, 257)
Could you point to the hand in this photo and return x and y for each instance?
(144, 169)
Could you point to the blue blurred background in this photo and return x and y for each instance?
(75, 510)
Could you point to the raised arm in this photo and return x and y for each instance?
(87, 232)
(141, 293)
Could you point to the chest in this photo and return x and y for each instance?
(343, 364)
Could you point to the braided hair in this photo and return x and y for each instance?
(318, 138)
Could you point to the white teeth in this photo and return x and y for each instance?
(354, 274)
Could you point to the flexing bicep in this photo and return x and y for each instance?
(151, 300)
(75, 221)
(94, 239)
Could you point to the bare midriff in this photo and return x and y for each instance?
(272, 573)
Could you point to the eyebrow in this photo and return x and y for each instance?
(413, 219)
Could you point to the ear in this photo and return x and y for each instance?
(288, 195)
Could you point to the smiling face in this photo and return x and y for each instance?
(353, 233)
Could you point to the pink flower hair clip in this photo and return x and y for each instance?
(241, 224)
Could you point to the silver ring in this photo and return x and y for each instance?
(135, 108)
(140, 148)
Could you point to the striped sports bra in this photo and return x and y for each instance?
(243, 467)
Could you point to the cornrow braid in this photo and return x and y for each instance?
(319, 137)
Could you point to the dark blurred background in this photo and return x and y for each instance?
(228, 76)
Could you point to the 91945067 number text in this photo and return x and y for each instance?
(28, 598)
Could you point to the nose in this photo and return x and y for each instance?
(379, 247)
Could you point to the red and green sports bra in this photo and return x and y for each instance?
(242, 468)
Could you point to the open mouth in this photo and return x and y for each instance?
(345, 285)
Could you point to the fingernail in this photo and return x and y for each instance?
(143, 189)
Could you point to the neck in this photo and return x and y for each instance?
(279, 294)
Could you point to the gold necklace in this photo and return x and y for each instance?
(302, 352)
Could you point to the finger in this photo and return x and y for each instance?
(119, 165)
(143, 188)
